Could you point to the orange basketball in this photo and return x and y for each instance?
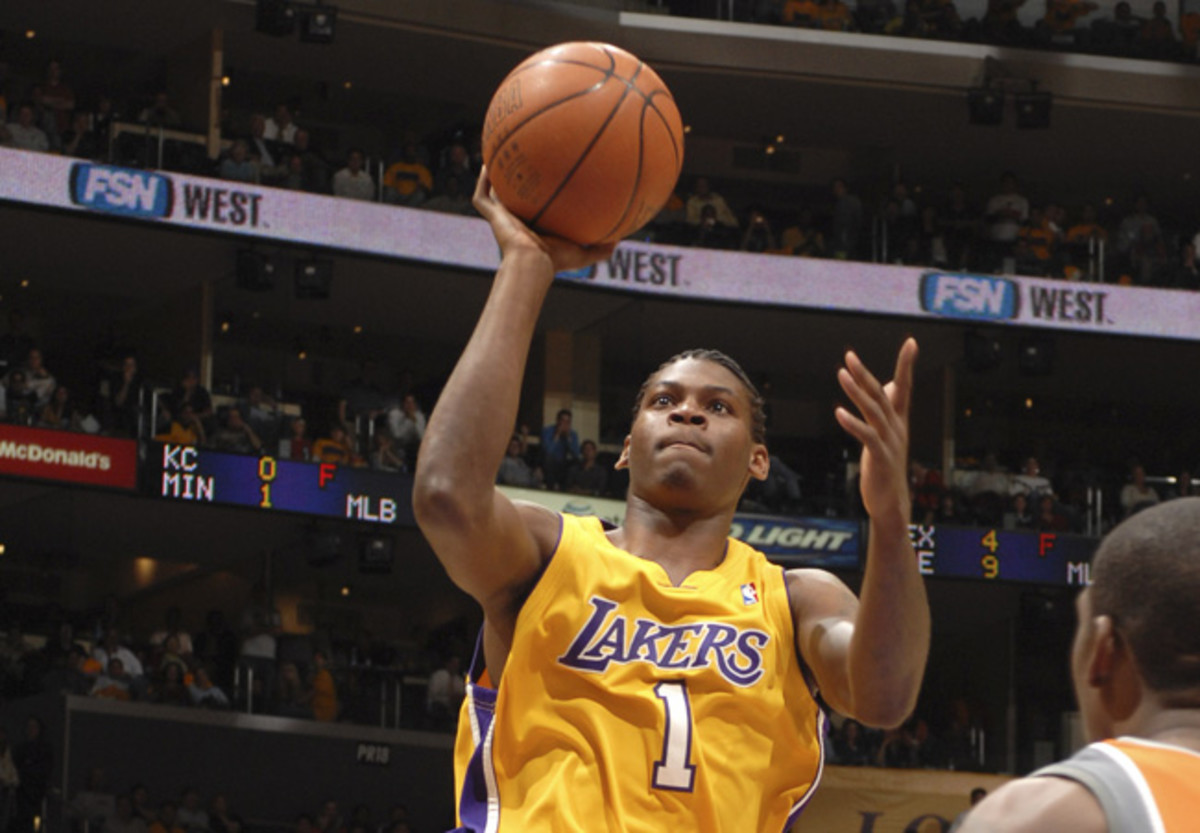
(583, 141)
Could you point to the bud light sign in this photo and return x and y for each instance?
(123, 191)
(809, 542)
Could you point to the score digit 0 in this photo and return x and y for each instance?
(266, 473)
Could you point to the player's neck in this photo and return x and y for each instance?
(681, 541)
(1176, 726)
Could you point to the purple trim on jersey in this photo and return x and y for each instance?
(473, 806)
(800, 805)
(822, 726)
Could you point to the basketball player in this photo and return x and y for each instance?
(659, 675)
(1136, 668)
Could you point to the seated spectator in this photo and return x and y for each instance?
(758, 236)
(80, 140)
(203, 692)
(937, 19)
(409, 181)
(296, 445)
(266, 154)
(803, 238)
(58, 100)
(94, 805)
(115, 683)
(834, 16)
(589, 477)
(121, 392)
(160, 113)
(173, 627)
(23, 133)
(711, 234)
(353, 181)
(184, 427)
(280, 127)
(384, 454)
(801, 13)
(218, 814)
(189, 391)
(60, 413)
(1184, 273)
(703, 196)
(167, 820)
(291, 699)
(262, 412)
(1001, 24)
(169, 687)
(19, 402)
(335, 448)
(406, 422)
(1061, 23)
(1019, 514)
(453, 200)
(1184, 486)
(1037, 243)
(111, 647)
(238, 166)
(898, 749)
(192, 816)
(948, 510)
(322, 690)
(1049, 518)
(1137, 494)
(142, 808)
(515, 470)
(930, 242)
(1140, 244)
(1156, 39)
(216, 649)
(846, 221)
(560, 450)
(316, 172)
(124, 820)
(235, 434)
(456, 163)
(40, 380)
(1030, 482)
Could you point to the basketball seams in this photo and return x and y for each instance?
(640, 144)
(591, 144)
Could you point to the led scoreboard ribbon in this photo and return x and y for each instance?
(183, 472)
(1003, 555)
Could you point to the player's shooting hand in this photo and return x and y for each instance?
(513, 235)
(882, 427)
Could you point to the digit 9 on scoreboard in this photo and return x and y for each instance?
(989, 562)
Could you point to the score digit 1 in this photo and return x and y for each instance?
(990, 562)
(266, 473)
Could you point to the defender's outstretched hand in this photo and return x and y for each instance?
(512, 234)
(882, 428)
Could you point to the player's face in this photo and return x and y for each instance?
(691, 445)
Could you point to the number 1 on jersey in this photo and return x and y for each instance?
(672, 771)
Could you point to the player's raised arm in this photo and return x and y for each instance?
(487, 545)
(869, 654)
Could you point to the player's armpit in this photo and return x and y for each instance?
(1036, 805)
(494, 555)
(823, 613)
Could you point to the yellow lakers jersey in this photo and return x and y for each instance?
(629, 704)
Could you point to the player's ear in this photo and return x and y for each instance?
(1105, 647)
(623, 460)
(760, 462)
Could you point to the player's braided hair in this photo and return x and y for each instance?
(1146, 576)
(758, 415)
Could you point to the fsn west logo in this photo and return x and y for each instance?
(969, 296)
(122, 190)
